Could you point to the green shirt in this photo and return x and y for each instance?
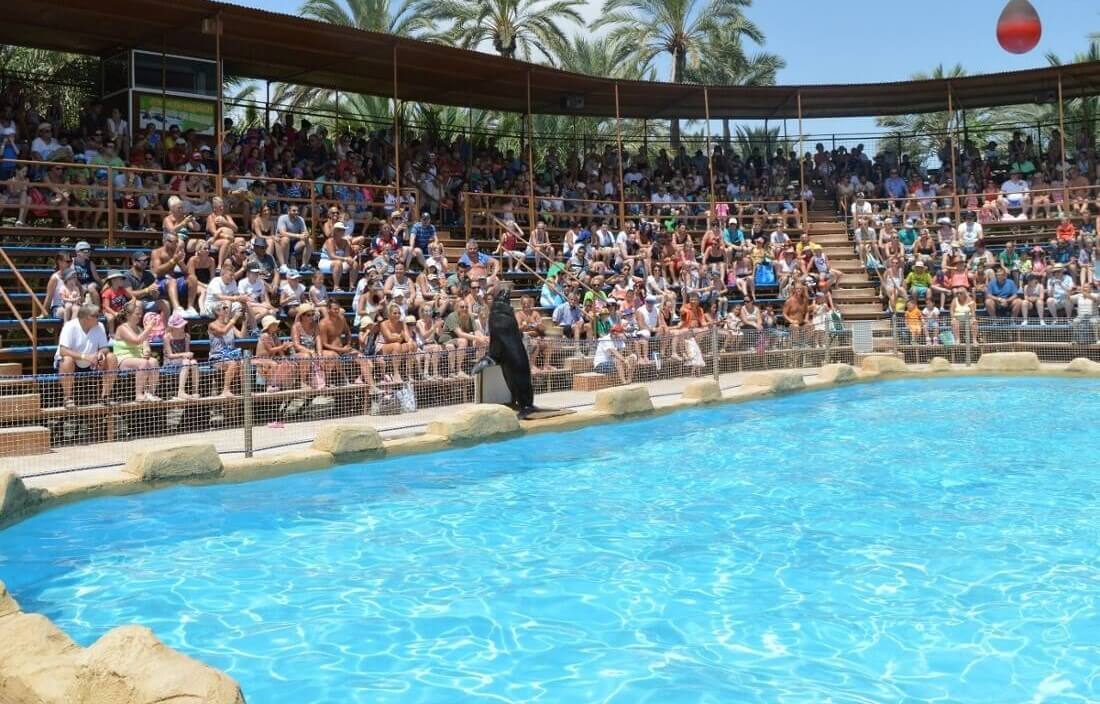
(1009, 260)
(919, 278)
(591, 296)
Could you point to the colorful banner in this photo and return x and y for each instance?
(188, 113)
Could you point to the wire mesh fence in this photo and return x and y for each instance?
(95, 410)
(963, 339)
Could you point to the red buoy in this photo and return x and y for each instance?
(1019, 27)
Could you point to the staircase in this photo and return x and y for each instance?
(857, 295)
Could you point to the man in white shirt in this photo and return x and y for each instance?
(971, 231)
(45, 146)
(861, 206)
(609, 359)
(1015, 195)
(83, 347)
(221, 289)
(1060, 292)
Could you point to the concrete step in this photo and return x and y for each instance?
(26, 440)
(860, 310)
(11, 368)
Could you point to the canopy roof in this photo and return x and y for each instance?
(269, 46)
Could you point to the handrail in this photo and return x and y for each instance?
(32, 331)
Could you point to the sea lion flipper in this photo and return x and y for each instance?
(482, 364)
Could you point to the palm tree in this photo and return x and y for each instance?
(387, 16)
(676, 27)
(725, 63)
(1076, 111)
(510, 26)
(922, 134)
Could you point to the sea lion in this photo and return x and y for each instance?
(507, 350)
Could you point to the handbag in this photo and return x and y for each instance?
(765, 275)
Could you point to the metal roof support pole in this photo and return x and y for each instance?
(220, 126)
(801, 163)
(396, 129)
(619, 142)
(954, 144)
(267, 108)
(1062, 137)
(710, 167)
(530, 161)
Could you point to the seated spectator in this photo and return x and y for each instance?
(142, 286)
(178, 357)
(918, 283)
(397, 344)
(131, 348)
(1033, 297)
(337, 258)
(169, 267)
(226, 328)
(461, 330)
(293, 239)
(610, 357)
(534, 334)
(83, 348)
(307, 347)
(1002, 297)
(1060, 289)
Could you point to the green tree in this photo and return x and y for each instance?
(385, 16)
(922, 134)
(679, 28)
(510, 26)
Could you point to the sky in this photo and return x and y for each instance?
(861, 41)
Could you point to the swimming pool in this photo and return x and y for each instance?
(904, 541)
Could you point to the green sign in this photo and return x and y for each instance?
(165, 111)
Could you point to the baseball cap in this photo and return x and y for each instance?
(259, 242)
(177, 321)
(293, 274)
(651, 299)
(83, 247)
(115, 274)
(339, 226)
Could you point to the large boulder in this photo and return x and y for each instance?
(129, 665)
(883, 364)
(473, 423)
(939, 364)
(1008, 362)
(623, 400)
(15, 497)
(348, 439)
(777, 381)
(168, 462)
(38, 662)
(702, 391)
(836, 373)
(1083, 365)
(273, 464)
(8, 605)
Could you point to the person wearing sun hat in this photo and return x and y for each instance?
(272, 361)
(179, 357)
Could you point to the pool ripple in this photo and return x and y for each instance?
(886, 543)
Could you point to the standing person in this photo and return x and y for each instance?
(609, 357)
(422, 235)
(796, 311)
(131, 348)
(179, 357)
(83, 347)
(964, 311)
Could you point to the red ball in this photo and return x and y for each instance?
(1019, 27)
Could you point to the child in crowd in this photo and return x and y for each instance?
(318, 294)
(72, 296)
(178, 356)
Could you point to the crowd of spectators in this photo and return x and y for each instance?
(939, 274)
(300, 219)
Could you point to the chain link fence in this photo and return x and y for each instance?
(94, 417)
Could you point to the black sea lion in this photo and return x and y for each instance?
(507, 350)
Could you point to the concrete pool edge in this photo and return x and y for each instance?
(342, 443)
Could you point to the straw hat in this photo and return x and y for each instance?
(268, 321)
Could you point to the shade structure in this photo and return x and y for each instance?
(275, 47)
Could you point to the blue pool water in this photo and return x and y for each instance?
(911, 541)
